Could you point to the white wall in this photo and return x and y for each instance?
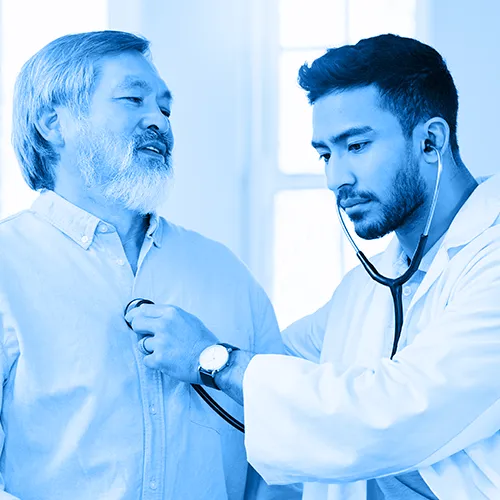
(467, 34)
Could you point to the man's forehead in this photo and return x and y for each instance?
(134, 81)
(350, 112)
(132, 70)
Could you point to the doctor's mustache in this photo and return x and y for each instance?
(347, 194)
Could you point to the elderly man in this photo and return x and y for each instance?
(375, 411)
(83, 418)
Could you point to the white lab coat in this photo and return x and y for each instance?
(349, 413)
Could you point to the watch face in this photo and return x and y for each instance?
(214, 357)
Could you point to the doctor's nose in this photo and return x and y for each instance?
(338, 174)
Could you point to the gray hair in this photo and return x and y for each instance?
(63, 73)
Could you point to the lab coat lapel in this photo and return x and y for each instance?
(436, 268)
(362, 335)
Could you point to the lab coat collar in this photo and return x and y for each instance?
(78, 224)
(478, 213)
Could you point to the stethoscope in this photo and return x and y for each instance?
(133, 304)
(394, 284)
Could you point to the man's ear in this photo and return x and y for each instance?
(435, 136)
(48, 125)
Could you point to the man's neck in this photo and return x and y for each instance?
(453, 193)
(130, 226)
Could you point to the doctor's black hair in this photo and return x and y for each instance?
(412, 78)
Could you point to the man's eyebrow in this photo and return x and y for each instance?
(131, 82)
(336, 139)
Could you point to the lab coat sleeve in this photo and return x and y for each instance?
(304, 338)
(439, 395)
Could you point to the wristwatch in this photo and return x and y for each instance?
(214, 359)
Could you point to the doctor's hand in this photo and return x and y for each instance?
(174, 338)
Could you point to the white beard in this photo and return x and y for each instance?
(122, 175)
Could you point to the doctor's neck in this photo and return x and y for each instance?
(457, 184)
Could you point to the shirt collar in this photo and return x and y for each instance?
(78, 224)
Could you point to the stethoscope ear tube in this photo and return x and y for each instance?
(199, 390)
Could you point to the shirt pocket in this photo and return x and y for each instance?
(220, 445)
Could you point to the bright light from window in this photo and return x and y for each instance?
(26, 26)
(307, 253)
(296, 154)
(370, 18)
(312, 24)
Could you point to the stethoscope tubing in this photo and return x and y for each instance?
(396, 284)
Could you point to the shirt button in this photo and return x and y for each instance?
(152, 484)
(103, 228)
(84, 239)
(120, 262)
(152, 408)
(406, 291)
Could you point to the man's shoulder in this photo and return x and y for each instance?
(14, 224)
(194, 245)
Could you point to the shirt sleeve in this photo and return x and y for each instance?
(4, 370)
(437, 396)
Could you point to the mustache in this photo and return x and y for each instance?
(151, 135)
(348, 193)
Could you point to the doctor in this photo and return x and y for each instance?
(339, 414)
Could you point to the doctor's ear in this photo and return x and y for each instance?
(436, 136)
(48, 126)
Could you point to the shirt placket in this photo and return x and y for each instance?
(150, 381)
(153, 410)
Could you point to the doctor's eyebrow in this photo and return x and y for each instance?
(337, 139)
(131, 82)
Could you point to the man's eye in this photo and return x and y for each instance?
(165, 112)
(136, 100)
(325, 157)
(357, 146)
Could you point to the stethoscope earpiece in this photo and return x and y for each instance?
(428, 146)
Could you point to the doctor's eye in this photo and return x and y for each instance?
(324, 157)
(165, 112)
(356, 147)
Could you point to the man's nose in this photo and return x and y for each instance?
(338, 173)
(155, 119)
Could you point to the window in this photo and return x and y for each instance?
(26, 26)
(310, 254)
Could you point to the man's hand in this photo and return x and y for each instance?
(175, 337)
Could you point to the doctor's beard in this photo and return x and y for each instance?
(113, 165)
(406, 195)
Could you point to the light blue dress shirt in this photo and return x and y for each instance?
(82, 417)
